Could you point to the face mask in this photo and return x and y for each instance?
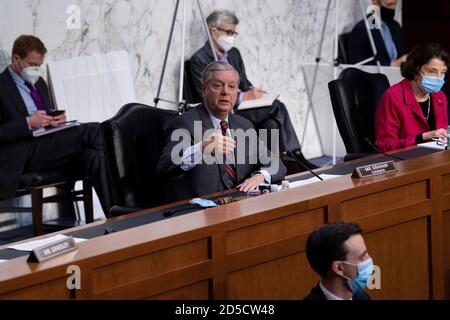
(431, 84)
(387, 14)
(204, 203)
(31, 74)
(226, 42)
(365, 271)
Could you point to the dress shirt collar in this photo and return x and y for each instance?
(17, 79)
(222, 56)
(328, 294)
(215, 121)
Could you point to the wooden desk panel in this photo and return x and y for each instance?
(401, 252)
(255, 248)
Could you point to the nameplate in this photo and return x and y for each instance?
(52, 250)
(374, 170)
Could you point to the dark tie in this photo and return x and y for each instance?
(231, 172)
(36, 96)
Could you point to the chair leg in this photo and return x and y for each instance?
(36, 209)
(87, 200)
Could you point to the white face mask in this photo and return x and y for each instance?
(226, 42)
(31, 74)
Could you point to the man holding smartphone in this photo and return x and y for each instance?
(25, 106)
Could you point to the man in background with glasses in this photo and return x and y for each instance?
(222, 26)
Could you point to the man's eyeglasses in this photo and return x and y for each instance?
(230, 33)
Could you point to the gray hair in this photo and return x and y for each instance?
(217, 66)
(217, 17)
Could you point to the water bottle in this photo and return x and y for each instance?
(284, 185)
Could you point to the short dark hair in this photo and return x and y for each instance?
(26, 44)
(326, 245)
(420, 56)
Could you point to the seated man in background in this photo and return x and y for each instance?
(195, 169)
(387, 35)
(337, 252)
(222, 26)
(24, 106)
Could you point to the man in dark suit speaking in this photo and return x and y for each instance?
(222, 26)
(210, 149)
(24, 106)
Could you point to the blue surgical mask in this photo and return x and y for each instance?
(204, 203)
(431, 84)
(365, 271)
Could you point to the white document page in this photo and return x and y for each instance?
(266, 100)
(31, 245)
(300, 183)
(431, 145)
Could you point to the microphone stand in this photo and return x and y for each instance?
(182, 105)
(367, 140)
(292, 157)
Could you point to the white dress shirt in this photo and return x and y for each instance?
(328, 294)
(192, 156)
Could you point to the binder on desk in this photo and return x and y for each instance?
(47, 130)
(266, 100)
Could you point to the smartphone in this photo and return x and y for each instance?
(55, 113)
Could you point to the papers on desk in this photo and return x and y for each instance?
(48, 130)
(2, 260)
(301, 183)
(266, 100)
(31, 245)
(431, 145)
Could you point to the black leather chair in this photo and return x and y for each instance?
(343, 49)
(189, 93)
(355, 96)
(134, 139)
(34, 183)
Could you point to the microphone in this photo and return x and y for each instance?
(172, 212)
(291, 155)
(367, 140)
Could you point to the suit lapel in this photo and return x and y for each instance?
(411, 101)
(205, 118)
(43, 91)
(233, 126)
(208, 51)
(13, 92)
(378, 39)
(437, 105)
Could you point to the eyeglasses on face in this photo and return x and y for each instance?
(230, 33)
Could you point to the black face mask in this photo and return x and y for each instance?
(387, 14)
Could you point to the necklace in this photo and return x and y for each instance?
(429, 107)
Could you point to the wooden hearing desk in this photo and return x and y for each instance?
(255, 248)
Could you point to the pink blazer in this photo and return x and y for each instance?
(399, 118)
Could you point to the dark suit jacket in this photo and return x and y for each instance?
(205, 56)
(317, 294)
(206, 178)
(15, 136)
(359, 47)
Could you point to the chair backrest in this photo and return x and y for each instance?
(343, 48)
(355, 96)
(189, 92)
(134, 139)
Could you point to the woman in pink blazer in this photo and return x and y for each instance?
(415, 110)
